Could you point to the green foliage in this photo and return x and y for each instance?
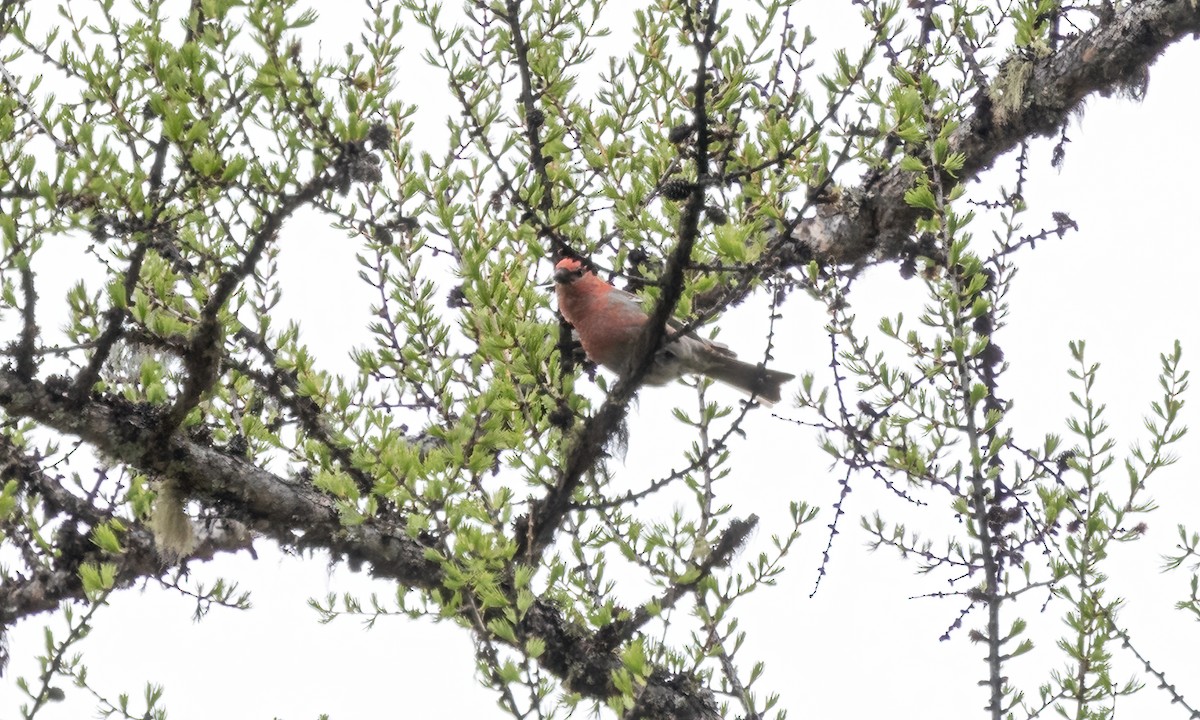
(192, 151)
(930, 426)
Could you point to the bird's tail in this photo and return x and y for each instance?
(757, 380)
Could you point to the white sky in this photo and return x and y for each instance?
(860, 648)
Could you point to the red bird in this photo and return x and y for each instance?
(610, 321)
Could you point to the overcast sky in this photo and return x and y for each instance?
(1126, 282)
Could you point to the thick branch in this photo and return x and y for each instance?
(41, 588)
(534, 532)
(872, 221)
(296, 514)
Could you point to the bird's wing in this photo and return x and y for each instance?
(674, 325)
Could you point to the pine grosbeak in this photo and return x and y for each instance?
(610, 321)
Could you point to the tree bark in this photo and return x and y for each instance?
(867, 222)
(873, 222)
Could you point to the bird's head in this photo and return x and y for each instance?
(568, 270)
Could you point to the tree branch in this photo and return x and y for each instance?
(296, 514)
(872, 220)
(534, 532)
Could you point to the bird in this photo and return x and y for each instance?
(609, 323)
